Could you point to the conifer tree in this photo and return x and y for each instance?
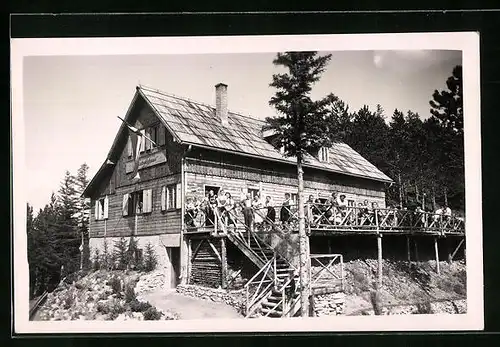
(301, 128)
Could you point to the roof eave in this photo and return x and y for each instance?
(388, 180)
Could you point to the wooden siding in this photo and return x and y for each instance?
(118, 183)
(235, 178)
(205, 268)
(154, 223)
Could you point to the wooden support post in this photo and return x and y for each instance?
(408, 249)
(224, 262)
(436, 250)
(456, 249)
(329, 246)
(379, 251)
(416, 250)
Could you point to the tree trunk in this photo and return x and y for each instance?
(304, 271)
(445, 191)
(433, 199)
(400, 191)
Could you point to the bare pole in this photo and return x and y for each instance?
(436, 251)
(408, 249)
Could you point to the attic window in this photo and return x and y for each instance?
(323, 154)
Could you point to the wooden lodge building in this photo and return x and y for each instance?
(202, 148)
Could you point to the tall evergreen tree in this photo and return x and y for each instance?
(300, 129)
(83, 213)
(69, 238)
(447, 105)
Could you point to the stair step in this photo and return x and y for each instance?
(271, 314)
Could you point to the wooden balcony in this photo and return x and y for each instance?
(323, 220)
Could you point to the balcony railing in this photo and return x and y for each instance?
(320, 218)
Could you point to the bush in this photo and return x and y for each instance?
(112, 309)
(150, 258)
(152, 314)
(116, 284)
(69, 299)
(96, 260)
(139, 306)
(129, 292)
(121, 253)
(424, 308)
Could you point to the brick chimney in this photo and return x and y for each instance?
(221, 102)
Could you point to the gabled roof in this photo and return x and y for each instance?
(196, 124)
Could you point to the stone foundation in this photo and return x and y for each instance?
(331, 304)
(234, 298)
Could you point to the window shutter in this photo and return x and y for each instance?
(130, 150)
(147, 143)
(146, 200)
(178, 195)
(161, 135)
(106, 207)
(125, 204)
(141, 145)
(96, 210)
(163, 198)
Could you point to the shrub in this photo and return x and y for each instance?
(139, 306)
(129, 292)
(121, 253)
(150, 258)
(424, 308)
(96, 260)
(106, 260)
(68, 300)
(152, 314)
(112, 309)
(133, 254)
(116, 284)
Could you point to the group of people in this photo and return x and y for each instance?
(258, 212)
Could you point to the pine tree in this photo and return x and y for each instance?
(447, 105)
(301, 128)
(69, 238)
(83, 213)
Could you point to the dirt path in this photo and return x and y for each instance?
(188, 307)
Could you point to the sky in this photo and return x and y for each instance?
(71, 103)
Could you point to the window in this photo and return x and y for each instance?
(350, 203)
(170, 197)
(294, 197)
(101, 208)
(253, 192)
(323, 154)
(139, 202)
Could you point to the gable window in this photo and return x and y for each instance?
(170, 197)
(139, 202)
(101, 208)
(323, 154)
(156, 133)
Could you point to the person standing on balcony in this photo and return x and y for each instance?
(331, 208)
(258, 205)
(221, 206)
(228, 210)
(271, 212)
(246, 204)
(447, 212)
(285, 213)
(342, 207)
(190, 213)
(210, 203)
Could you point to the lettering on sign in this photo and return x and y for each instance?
(147, 160)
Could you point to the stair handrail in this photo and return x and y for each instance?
(259, 294)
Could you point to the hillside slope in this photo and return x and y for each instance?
(402, 284)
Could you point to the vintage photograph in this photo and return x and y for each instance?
(287, 183)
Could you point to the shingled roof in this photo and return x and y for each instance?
(197, 124)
